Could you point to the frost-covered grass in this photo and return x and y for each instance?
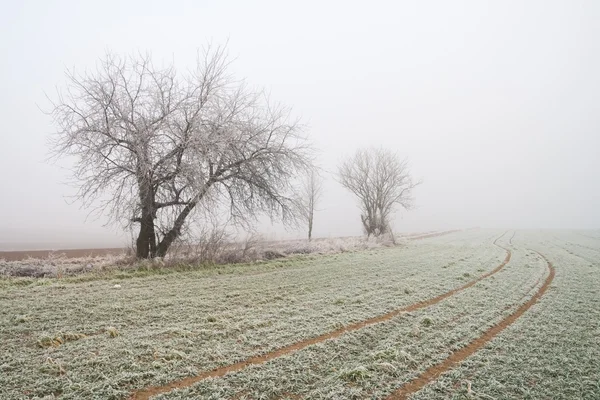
(173, 325)
(58, 265)
(372, 362)
(254, 249)
(101, 338)
(553, 350)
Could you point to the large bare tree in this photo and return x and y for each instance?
(381, 181)
(153, 147)
(312, 189)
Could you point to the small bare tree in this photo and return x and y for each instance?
(312, 189)
(381, 181)
(153, 147)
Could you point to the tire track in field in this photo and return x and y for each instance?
(458, 356)
(146, 393)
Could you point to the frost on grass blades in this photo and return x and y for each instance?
(553, 350)
(372, 362)
(90, 339)
(67, 263)
(436, 370)
(147, 393)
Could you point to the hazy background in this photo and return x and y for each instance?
(497, 104)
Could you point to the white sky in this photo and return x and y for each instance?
(497, 104)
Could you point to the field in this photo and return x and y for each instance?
(474, 314)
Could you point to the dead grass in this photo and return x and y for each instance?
(211, 251)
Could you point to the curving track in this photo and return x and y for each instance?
(435, 371)
(148, 392)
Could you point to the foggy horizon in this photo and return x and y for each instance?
(496, 106)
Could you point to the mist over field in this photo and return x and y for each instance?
(496, 105)
(300, 200)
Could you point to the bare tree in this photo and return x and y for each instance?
(381, 181)
(312, 189)
(153, 147)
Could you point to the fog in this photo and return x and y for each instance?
(497, 106)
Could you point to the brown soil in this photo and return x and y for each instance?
(146, 393)
(430, 235)
(18, 255)
(70, 253)
(435, 371)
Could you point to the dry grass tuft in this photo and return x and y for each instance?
(112, 332)
(357, 374)
(56, 340)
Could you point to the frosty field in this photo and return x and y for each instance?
(353, 325)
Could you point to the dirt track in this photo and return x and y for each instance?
(435, 371)
(146, 393)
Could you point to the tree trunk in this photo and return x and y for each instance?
(142, 243)
(169, 238)
(310, 225)
(146, 241)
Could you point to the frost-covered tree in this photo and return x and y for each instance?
(381, 181)
(154, 148)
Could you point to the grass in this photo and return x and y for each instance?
(372, 362)
(227, 316)
(182, 258)
(84, 338)
(552, 351)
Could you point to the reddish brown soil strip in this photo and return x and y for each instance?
(146, 393)
(284, 396)
(290, 396)
(431, 235)
(70, 253)
(455, 358)
(18, 255)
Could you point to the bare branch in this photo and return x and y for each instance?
(151, 146)
(381, 181)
